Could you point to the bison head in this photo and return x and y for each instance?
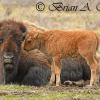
(34, 40)
(12, 34)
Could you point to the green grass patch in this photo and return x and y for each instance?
(16, 92)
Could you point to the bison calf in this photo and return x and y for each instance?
(59, 44)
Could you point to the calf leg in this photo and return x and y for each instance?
(56, 71)
(87, 49)
(91, 61)
(93, 66)
(52, 79)
(98, 69)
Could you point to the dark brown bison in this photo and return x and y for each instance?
(33, 69)
(38, 71)
(73, 68)
(12, 34)
(15, 64)
(58, 44)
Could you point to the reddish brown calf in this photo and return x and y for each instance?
(58, 44)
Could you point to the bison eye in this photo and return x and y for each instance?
(23, 38)
(28, 41)
(1, 40)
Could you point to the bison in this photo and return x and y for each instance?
(16, 65)
(59, 44)
(31, 68)
(12, 35)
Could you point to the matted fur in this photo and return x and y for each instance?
(16, 65)
(12, 34)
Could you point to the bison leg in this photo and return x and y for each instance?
(98, 69)
(93, 66)
(87, 49)
(91, 61)
(52, 79)
(56, 71)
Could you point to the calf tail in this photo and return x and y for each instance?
(97, 48)
(98, 41)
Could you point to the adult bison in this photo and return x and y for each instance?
(16, 65)
(58, 44)
(11, 36)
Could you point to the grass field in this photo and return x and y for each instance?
(15, 92)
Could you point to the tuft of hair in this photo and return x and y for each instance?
(14, 24)
(31, 26)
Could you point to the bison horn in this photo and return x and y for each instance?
(36, 35)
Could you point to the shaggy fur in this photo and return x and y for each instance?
(15, 64)
(59, 44)
(36, 70)
(33, 69)
(12, 34)
(75, 69)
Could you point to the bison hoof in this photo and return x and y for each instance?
(51, 84)
(68, 83)
(57, 85)
(88, 86)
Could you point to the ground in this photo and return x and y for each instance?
(15, 92)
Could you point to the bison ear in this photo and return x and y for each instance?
(23, 30)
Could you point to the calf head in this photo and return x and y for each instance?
(32, 41)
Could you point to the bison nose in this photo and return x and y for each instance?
(8, 57)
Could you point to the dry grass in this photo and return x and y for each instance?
(52, 20)
(15, 92)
